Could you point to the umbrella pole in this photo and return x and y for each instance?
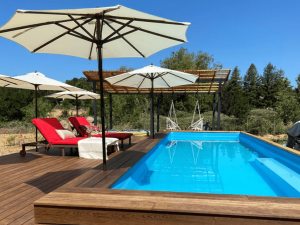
(36, 116)
(76, 105)
(99, 49)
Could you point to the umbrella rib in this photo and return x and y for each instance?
(85, 30)
(76, 34)
(141, 82)
(91, 50)
(91, 96)
(65, 88)
(165, 82)
(10, 82)
(59, 36)
(123, 79)
(37, 25)
(122, 35)
(150, 32)
(146, 20)
(161, 74)
(66, 14)
(116, 31)
(124, 38)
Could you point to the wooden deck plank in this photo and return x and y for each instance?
(21, 200)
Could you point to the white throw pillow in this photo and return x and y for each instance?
(65, 134)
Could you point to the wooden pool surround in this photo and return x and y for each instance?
(87, 200)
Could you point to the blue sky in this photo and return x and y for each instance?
(236, 32)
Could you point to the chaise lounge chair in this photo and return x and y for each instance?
(80, 122)
(48, 127)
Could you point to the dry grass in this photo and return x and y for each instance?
(12, 143)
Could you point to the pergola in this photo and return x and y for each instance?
(209, 82)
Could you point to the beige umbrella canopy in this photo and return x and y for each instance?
(96, 33)
(152, 77)
(78, 95)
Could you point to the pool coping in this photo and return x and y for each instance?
(87, 205)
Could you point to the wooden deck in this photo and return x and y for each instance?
(70, 190)
(24, 180)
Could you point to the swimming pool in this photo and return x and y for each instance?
(212, 162)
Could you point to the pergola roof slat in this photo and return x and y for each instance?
(207, 83)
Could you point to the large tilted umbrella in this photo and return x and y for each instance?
(37, 81)
(152, 77)
(75, 95)
(109, 32)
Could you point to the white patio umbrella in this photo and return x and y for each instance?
(152, 77)
(75, 95)
(97, 33)
(38, 81)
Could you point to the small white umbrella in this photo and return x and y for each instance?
(152, 77)
(95, 33)
(38, 81)
(75, 95)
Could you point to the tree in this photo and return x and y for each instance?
(234, 101)
(12, 100)
(287, 105)
(44, 107)
(184, 60)
(272, 81)
(251, 86)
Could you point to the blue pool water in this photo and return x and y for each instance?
(221, 163)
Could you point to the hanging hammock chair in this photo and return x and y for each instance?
(172, 123)
(198, 125)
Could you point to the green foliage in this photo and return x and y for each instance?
(272, 80)
(125, 68)
(234, 101)
(184, 60)
(11, 140)
(287, 105)
(12, 100)
(44, 107)
(251, 86)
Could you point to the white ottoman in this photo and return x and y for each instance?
(91, 148)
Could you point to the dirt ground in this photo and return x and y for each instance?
(12, 143)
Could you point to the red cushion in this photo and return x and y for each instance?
(48, 127)
(69, 141)
(77, 122)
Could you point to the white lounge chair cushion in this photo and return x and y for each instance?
(65, 134)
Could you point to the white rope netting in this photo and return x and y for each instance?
(198, 125)
(171, 120)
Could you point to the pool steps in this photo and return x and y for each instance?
(289, 179)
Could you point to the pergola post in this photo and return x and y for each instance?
(110, 111)
(95, 104)
(219, 105)
(214, 111)
(158, 112)
(151, 112)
